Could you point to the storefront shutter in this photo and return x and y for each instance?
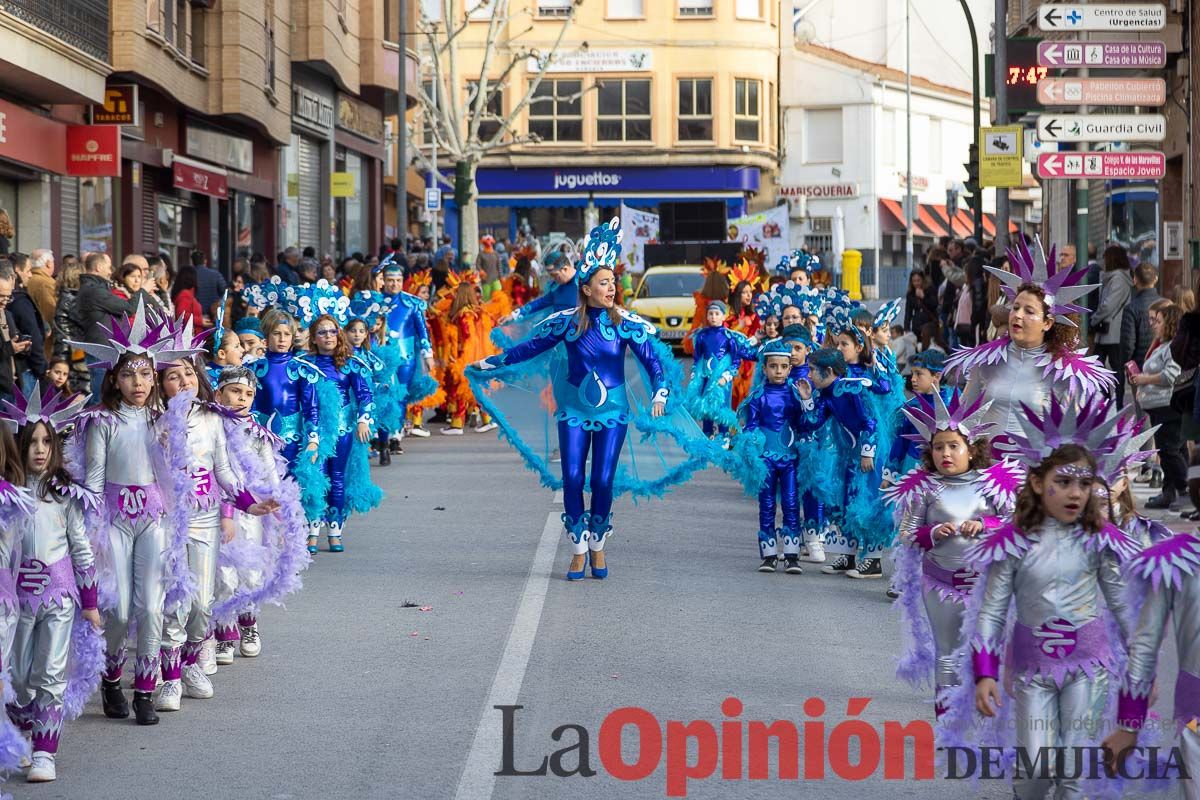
(69, 214)
(150, 221)
(309, 201)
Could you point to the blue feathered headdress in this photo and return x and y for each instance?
(311, 300)
(601, 249)
(261, 296)
(368, 306)
(798, 259)
(887, 315)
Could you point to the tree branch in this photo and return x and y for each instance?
(537, 81)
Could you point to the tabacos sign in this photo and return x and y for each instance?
(595, 179)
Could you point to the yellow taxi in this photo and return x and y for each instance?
(664, 297)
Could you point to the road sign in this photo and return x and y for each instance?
(433, 199)
(1102, 127)
(1102, 91)
(1000, 159)
(1102, 17)
(1117, 55)
(1130, 166)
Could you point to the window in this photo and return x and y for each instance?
(695, 8)
(748, 9)
(746, 113)
(199, 20)
(823, 136)
(269, 22)
(556, 111)
(626, 9)
(935, 146)
(623, 110)
(554, 8)
(431, 10)
(182, 36)
(493, 111)
(480, 9)
(695, 110)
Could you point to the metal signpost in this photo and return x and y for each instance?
(1111, 55)
(1102, 17)
(1102, 127)
(1102, 91)
(1117, 166)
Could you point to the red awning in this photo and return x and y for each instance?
(933, 220)
(893, 216)
(196, 176)
(932, 225)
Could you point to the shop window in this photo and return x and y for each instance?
(823, 136)
(493, 111)
(746, 110)
(554, 8)
(556, 111)
(695, 115)
(623, 110)
(696, 8)
(176, 231)
(431, 10)
(626, 9)
(96, 215)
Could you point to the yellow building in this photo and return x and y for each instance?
(646, 101)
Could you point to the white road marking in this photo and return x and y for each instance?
(483, 760)
(558, 497)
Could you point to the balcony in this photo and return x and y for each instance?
(82, 24)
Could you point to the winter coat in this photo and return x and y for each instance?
(1116, 288)
(1136, 334)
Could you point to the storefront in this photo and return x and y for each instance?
(564, 200)
(308, 164)
(357, 186)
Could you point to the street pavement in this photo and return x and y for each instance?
(361, 693)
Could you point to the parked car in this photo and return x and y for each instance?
(664, 298)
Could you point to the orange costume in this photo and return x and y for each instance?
(746, 322)
(467, 332)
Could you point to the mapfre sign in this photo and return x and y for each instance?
(820, 191)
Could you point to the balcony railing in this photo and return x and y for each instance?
(83, 24)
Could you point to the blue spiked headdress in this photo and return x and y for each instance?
(311, 300)
(601, 249)
(367, 306)
(261, 296)
(798, 259)
(888, 313)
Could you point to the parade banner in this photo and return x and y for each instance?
(640, 229)
(767, 230)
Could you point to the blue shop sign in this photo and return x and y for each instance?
(610, 180)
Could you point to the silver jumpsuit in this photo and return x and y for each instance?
(947, 575)
(187, 627)
(1175, 592)
(1062, 658)
(1015, 380)
(57, 575)
(121, 452)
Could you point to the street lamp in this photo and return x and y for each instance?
(973, 167)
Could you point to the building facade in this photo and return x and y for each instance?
(645, 102)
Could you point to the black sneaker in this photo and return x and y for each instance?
(892, 593)
(1161, 501)
(840, 565)
(394, 446)
(385, 458)
(767, 565)
(143, 709)
(793, 565)
(116, 706)
(867, 568)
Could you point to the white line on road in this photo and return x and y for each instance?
(483, 759)
(558, 497)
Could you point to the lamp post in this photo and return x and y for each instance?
(976, 190)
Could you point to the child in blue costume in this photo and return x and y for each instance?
(770, 417)
(366, 309)
(285, 402)
(562, 294)
(591, 404)
(250, 334)
(812, 482)
(841, 402)
(905, 452)
(408, 353)
(719, 352)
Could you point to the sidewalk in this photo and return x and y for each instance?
(1142, 492)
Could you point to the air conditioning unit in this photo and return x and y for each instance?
(798, 207)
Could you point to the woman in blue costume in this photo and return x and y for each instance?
(344, 406)
(592, 400)
(407, 351)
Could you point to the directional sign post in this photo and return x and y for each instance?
(1102, 127)
(1102, 17)
(1102, 91)
(1114, 55)
(1129, 166)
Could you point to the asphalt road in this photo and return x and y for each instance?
(356, 695)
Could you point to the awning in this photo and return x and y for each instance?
(197, 176)
(933, 221)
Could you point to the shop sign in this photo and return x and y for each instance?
(235, 152)
(341, 184)
(358, 117)
(820, 191)
(195, 177)
(594, 60)
(94, 151)
(32, 139)
(310, 107)
(120, 106)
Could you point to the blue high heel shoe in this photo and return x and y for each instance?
(599, 573)
(577, 576)
(312, 545)
(335, 545)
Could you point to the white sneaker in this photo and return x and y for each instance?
(420, 433)
(207, 658)
(225, 653)
(196, 684)
(490, 426)
(814, 552)
(452, 431)
(24, 762)
(42, 768)
(168, 696)
(251, 643)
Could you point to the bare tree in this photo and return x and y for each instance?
(456, 127)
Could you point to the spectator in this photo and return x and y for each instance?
(1136, 333)
(309, 252)
(920, 304)
(903, 346)
(31, 364)
(7, 234)
(131, 282)
(241, 266)
(10, 348)
(999, 320)
(1116, 289)
(97, 304)
(933, 268)
(40, 283)
(210, 284)
(1184, 298)
(183, 298)
(971, 310)
(1160, 378)
(286, 268)
(329, 271)
(259, 270)
(955, 277)
(931, 338)
(309, 270)
(158, 281)
(1092, 278)
(64, 328)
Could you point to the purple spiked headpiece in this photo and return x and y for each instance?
(1132, 435)
(959, 414)
(1061, 286)
(140, 335)
(53, 407)
(1095, 425)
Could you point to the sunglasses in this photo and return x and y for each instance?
(327, 332)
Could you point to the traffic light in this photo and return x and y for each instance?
(972, 183)
(951, 202)
(462, 183)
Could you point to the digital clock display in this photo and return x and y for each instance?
(1023, 74)
(1026, 76)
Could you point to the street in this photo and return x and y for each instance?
(356, 695)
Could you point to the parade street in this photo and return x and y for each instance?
(357, 695)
